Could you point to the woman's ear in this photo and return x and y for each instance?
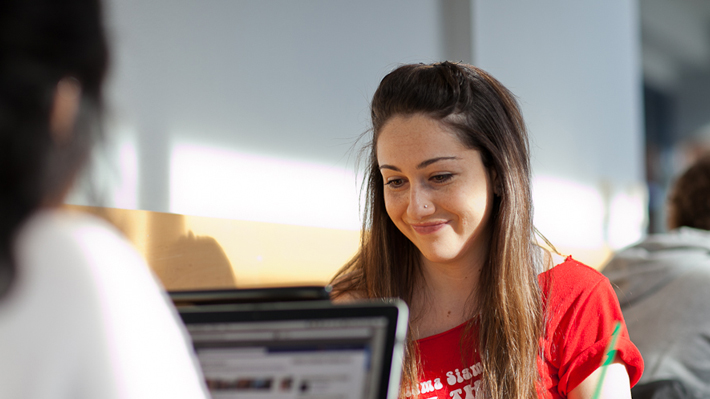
(65, 108)
(495, 183)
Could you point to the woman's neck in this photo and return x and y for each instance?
(445, 296)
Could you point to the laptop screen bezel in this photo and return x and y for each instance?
(394, 311)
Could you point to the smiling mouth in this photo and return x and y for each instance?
(428, 228)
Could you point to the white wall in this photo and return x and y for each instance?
(279, 82)
(575, 67)
(248, 109)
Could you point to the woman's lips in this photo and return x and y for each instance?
(428, 228)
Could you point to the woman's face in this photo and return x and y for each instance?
(437, 191)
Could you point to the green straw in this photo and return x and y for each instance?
(608, 358)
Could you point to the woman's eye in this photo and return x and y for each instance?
(395, 183)
(441, 178)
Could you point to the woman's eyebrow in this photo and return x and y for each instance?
(422, 165)
(434, 160)
(396, 169)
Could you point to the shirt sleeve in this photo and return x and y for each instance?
(582, 311)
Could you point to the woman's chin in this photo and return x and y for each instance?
(440, 257)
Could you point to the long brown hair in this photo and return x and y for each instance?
(486, 117)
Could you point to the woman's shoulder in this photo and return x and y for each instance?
(82, 250)
(572, 279)
(570, 269)
(72, 234)
(70, 228)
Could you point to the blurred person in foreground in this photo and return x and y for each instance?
(663, 285)
(81, 316)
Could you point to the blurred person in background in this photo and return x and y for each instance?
(81, 316)
(663, 285)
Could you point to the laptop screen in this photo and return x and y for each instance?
(307, 351)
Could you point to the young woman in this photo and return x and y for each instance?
(448, 228)
(80, 314)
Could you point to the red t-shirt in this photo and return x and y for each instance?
(582, 309)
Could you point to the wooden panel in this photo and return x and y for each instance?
(191, 252)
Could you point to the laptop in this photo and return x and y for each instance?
(250, 295)
(300, 350)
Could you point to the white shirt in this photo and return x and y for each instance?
(85, 318)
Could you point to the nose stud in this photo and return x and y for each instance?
(425, 206)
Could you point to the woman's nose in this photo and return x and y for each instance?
(420, 204)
